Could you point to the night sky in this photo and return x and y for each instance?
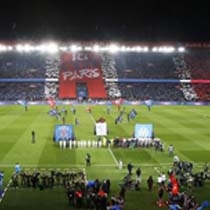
(141, 20)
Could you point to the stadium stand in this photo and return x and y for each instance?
(15, 91)
(145, 66)
(202, 91)
(16, 65)
(52, 68)
(198, 62)
(199, 65)
(183, 72)
(131, 75)
(155, 91)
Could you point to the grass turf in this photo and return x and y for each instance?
(186, 127)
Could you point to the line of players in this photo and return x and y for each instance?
(79, 144)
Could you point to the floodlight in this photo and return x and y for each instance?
(63, 48)
(145, 49)
(27, 48)
(75, 48)
(122, 48)
(154, 49)
(138, 49)
(3, 48)
(19, 48)
(171, 49)
(113, 48)
(181, 49)
(88, 48)
(9, 48)
(52, 48)
(96, 48)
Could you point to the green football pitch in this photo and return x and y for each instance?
(185, 127)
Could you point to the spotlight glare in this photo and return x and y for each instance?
(181, 49)
(88, 48)
(113, 48)
(63, 48)
(96, 48)
(52, 48)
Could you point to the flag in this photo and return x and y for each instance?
(52, 112)
(204, 205)
(51, 102)
(101, 129)
(118, 101)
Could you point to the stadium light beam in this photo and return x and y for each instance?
(113, 48)
(63, 48)
(154, 49)
(52, 48)
(96, 48)
(181, 49)
(19, 48)
(3, 48)
(88, 48)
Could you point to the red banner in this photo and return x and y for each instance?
(80, 67)
(81, 74)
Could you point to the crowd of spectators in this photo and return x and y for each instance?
(26, 65)
(52, 67)
(199, 65)
(110, 72)
(129, 65)
(25, 90)
(144, 66)
(202, 91)
(183, 72)
(154, 91)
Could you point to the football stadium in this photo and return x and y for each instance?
(106, 126)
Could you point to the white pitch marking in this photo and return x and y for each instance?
(5, 190)
(114, 158)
